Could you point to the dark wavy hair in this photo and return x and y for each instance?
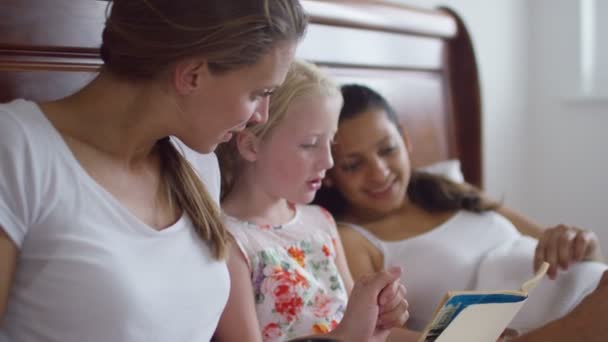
(430, 192)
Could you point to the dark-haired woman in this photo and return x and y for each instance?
(445, 235)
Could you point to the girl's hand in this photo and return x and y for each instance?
(561, 246)
(360, 321)
(393, 305)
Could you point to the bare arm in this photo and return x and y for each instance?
(560, 246)
(363, 259)
(525, 225)
(8, 261)
(361, 256)
(239, 320)
(342, 265)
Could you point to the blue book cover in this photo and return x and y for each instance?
(455, 302)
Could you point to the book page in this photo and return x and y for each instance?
(457, 304)
(477, 316)
(480, 323)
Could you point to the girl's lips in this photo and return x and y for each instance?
(314, 184)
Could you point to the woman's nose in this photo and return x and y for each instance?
(379, 171)
(260, 115)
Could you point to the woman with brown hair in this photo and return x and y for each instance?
(109, 224)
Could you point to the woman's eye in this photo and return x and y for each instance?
(265, 93)
(387, 150)
(350, 167)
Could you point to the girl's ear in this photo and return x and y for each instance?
(248, 145)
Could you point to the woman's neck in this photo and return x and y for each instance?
(249, 201)
(113, 116)
(365, 216)
(408, 221)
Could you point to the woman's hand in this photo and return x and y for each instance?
(361, 322)
(561, 246)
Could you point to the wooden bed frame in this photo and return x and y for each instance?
(421, 60)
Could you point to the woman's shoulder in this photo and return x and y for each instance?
(19, 117)
(26, 135)
(486, 217)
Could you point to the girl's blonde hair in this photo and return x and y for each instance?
(143, 39)
(303, 79)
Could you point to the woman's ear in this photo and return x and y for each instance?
(189, 74)
(248, 145)
(406, 139)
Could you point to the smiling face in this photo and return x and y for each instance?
(372, 168)
(292, 160)
(224, 103)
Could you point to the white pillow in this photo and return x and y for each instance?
(447, 168)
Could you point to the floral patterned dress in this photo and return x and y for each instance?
(297, 287)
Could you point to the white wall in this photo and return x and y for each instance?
(499, 30)
(543, 153)
(568, 161)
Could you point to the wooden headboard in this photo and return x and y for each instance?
(422, 61)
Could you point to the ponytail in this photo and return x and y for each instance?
(188, 192)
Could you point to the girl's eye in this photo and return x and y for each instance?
(309, 145)
(312, 142)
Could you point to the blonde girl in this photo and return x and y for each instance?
(289, 271)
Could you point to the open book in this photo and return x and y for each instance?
(477, 316)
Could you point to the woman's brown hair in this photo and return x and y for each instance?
(429, 191)
(143, 39)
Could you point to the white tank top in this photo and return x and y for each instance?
(484, 251)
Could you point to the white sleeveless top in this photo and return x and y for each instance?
(484, 251)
